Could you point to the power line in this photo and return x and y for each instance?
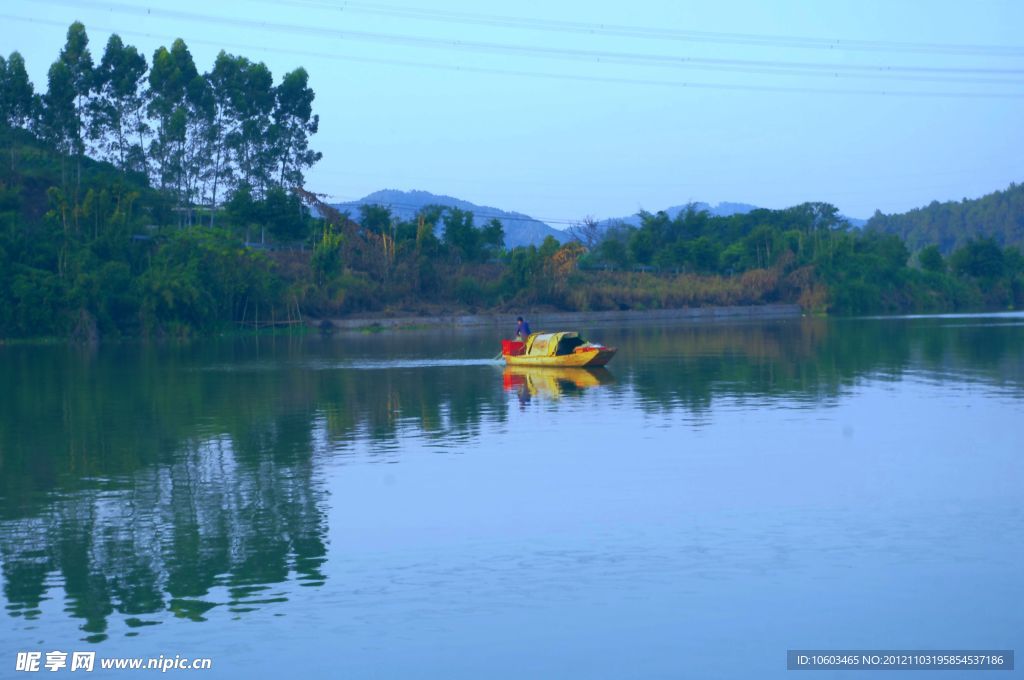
(540, 75)
(785, 68)
(683, 85)
(672, 185)
(643, 32)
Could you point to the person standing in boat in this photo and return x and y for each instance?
(522, 329)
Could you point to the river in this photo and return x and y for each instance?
(396, 505)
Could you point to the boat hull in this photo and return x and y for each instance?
(598, 356)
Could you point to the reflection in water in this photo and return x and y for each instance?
(529, 382)
(810, 360)
(160, 539)
(145, 484)
(155, 482)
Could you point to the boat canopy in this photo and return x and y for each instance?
(553, 344)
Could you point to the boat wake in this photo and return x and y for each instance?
(402, 363)
(351, 365)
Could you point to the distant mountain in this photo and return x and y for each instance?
(723, 209)
(520, 229)
(999, 215)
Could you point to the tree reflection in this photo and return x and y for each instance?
(807, 360)
(148, 481)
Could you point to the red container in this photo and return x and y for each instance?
(512, 347)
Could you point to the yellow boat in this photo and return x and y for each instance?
(565, 349)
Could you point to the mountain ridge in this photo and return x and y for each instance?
(520, 229)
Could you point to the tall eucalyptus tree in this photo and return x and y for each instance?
(170, 84)
(76, 57)
(119, 122)
(294, 122)
(252, 101)
(17, 98)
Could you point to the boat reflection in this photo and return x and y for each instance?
(551, 382)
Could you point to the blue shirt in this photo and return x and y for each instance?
(523, 330)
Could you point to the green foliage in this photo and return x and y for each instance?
(60, 122)
(242, 209)
(460, 236)
(981, 259)
(813, 257)
(327, 254)
(952, 224)
(294, 123)
(284, 213)
(467, 243)
(492, 239)
(931, 259)
(17, 97)
(202, 279)
(118, 122)
(76, 66)
(376, 218)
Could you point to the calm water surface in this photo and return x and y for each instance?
(399, 506)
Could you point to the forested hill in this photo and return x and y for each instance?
(720, 210)
(520, 229)
(999, 216)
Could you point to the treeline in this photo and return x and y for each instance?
(108, 174)
(147, 198)
(111, 276)
(808, 254)
(998, 216)
(196, 136)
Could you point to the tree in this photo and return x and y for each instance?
(172, 73)
(252, 103)
(242, 209)
(980, 258)
(613, 249)
(587, 231)
(294, 122)
(460, 235)
(196, 151)
(76, 58)
(285, 215)
(180, 101)
(492, 239)
(641, 246)
(931, 259)
(327, 255)
(16, 93)
(118, 117)
(375, 218)
(17, 99)
(60, 121)
(223, 122)
(704, 254)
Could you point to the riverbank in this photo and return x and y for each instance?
(549, 320)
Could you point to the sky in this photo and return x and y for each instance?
(567, 109)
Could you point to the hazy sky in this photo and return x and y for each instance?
(564, 109)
